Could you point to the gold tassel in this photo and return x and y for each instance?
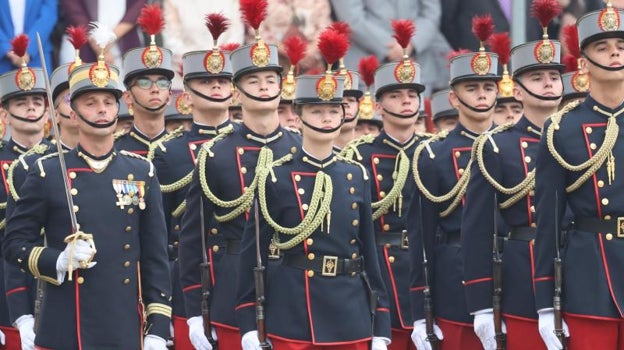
(328, 217)
(611, 167)
(400, 203)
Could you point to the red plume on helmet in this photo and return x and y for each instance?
(333, 45)
(570, 63)
(19, 44)
(342, 27)
(78, 38)
(295, 48)
(217, 24)
(404, 30)
(367, 67)
(254, 12)
(571, 40)
(151, 19)
(500, 43)
(545, 11)
(229, 46)
(482, 28)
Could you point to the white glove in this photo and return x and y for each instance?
(250, 341)
(484, 328)
(83, 251)
(380, 343)
(419, 334)
(196, 333)
(2, 338)
(154, 342)
(546, 325)
(25, 324)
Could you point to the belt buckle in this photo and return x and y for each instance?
(274, 251)
(404, 240)
(620, 227)
(330, 266)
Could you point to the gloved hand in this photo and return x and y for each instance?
(83, 251)
(196, 333)
(380, 343)
(154, 342)
(546, 325)
(25, 324)
(2, 338)
(250, 341)
(484, 328)
(419, 334)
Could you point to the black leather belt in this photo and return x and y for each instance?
(392, 239)
(232, 246)
(614, 226)
(522, 233)
(325, 265)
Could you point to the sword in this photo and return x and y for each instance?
(70, 202)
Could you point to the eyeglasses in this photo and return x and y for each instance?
(146, 83)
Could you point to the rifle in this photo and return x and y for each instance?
(428, 302)
(497, 280)
(206, 282)
(259, 282)
(558, 281)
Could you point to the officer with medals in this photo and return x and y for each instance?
(444, 115)
(441, 170)
(89, 305)
(24, 100)
(316, 208)
(387, 159)
(209, 87)
(579, 165)
(22, 287)
(224, 182)
(503, 169)
(147, 80)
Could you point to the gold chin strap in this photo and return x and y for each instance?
(604, 153)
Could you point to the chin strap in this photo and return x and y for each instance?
(156, 109)
(206, 97)
(26, 119)
(607, 68)
(474, 109)
(539, 97)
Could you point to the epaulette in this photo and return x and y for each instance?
(557, 116)
(40, 160)
(38, 149)
(206, 146)
(487, 136)
(424, 135)
(138, 156)
(178, 132)
(351, 149)
(426, 144)
(351, 161)
(119, 134)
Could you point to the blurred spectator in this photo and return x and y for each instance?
(457, 20)
(185, 28)
(27, 17)
(303, 18)
(372, 34)
(119, 15)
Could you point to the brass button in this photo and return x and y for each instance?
(215, 248)
(532, 209)
(214, 231)
(380, 177)
(130, 211)
(176, 228)
(243, 170)
(605, 201)
(176, 243)
(127, 264)
(525, 144)
(607, 217)
(592, 145)
(388, 245)
(354, 205)
(309, 241)
(588, 130)
(353, 241)
(76, 208)
(241, 151)
(310, 273)
(297, 177)
(391, 259)
(457, 154)
(72, 175)
(532, 193)
(126, 281)
(355, 222)
(354, 255)
(130, 177)
(126, 246)
(534, 225)
(304, 206)
(5, 166)
(349, 176)
(301, 191)
(527, 159)
(382, 194)
(600, 183)
(609, 236)
(386, 227)
(352, 190)
(376, 160)
(293, 150)
(193, 146)
(128, 228)
(311, 256)
(74, 191)
(80, 280)
(460, 171)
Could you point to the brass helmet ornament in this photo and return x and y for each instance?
(333, 45)
(545, 11)
(500, 43)
(367, 67)
(217, 24)
(295, 48)
(152, 22)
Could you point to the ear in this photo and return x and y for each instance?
(583, 63)
(127, 97)
(517, 93)
(453, 99)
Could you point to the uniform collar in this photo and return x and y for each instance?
(602, 109)
(317, 163)
(262, 139)
(201, 129)
(18, 148)
(141, 137)
(461, 130)
(394, 143)
(81, 150)
(526, 126)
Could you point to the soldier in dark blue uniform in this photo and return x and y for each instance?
(224, 181)
(316, 209)
(444, 115)
(579, 164)
(110, 304)
(387, 159)
(210, 91)
(178, 113)
(441, 171)
(351, 100)
(147, 80)
(24, 100)
(503, 168)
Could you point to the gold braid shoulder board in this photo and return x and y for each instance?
(38, 149)
(179, 131)
(516, 192)
(592, 164)
(350, 150)
(134, 155)
(119, 134)
(456, 193)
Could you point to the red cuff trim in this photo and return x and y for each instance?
(15, 290)
(478, 280)
(190, 288)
